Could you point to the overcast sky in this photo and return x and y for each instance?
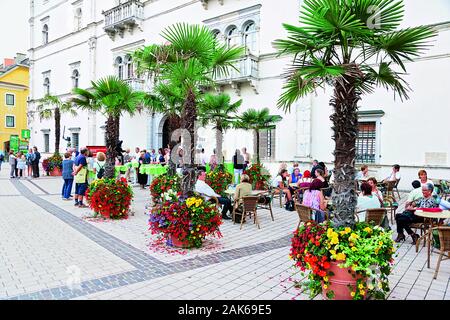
(14, 34)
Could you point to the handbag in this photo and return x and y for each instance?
(81, 176)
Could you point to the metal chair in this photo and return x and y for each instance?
(389, 203)
(444, 250)
(304, 213)
(395, 188)
(375, 216)
(265, 204)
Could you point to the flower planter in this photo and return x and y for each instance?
(56, 172)
(175, 242)
(340, 282)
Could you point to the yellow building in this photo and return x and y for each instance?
(14, 86)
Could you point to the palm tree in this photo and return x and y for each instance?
(354, 46)
(51, 107)
(112, 97)
(189, 60)
(257, 120)
(218, 111)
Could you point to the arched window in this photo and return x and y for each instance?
(78, 19)
(119, 67)
(249, 36)
(45, 34)
(129, 67)
(75, 78)
(216, 34)
(47, 86)
(231, 36)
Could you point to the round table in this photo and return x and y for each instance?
(431, 217)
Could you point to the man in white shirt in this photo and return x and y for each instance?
(207, 192)
(395, 174)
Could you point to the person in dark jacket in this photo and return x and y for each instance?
(238, 164)
(35, 162)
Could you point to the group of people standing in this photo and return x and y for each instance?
(23, 164)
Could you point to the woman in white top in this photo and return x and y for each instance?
(21, 164)
(423, 177)
(377, 193)
(366, 201)
(99, 164)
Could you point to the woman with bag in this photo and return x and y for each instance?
(67, 170)
(81, 174)
(99, 165)
(29, 161)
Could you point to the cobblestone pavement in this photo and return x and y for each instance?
(51, 250)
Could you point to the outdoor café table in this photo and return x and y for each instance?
(153, 169)
(432, 218)
(228, 167)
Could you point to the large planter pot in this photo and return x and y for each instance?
(56, 172)
(177, 243)
(340, 282)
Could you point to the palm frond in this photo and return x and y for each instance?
(379, 15)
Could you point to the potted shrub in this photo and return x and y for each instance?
(110, 198)
(344, 263)
(219, 179)
(259, 176)
(185, 223)
(53, 165)
(162, 184)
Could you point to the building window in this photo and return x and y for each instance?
(119, 67)
(10, 122)
(231, 36)
(46, 142)
(9, 99)
(366, 142)
(47, 86)
(45, 34)
(75, 78)
(75, 140)
(129, 67)
(249, 36)
(267, 144)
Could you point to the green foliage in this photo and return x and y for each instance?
(218, 111)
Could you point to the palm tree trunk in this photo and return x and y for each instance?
(188, 118)
(111, 140)
(174, 123)
(219, 143)
(57, 129)
(345, 124)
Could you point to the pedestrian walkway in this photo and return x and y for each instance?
(52, 250)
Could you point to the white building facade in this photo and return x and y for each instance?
(75, 42)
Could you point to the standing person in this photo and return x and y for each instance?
(247, 157)
(153, 156)
(36, 160)
(203, 158)
(213, 160)
(161, 157)
(315, 166)
(81, 174)
(2, 158)
(142, 177)
(12, 163)
(16, 168)
(21, 164)
(238, 164)
(29, 158)
(99, 165)
(120, 151)
(137, 151)
(67, 170)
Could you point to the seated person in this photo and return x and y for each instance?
(280, 182)
(305, 180)
(366, 201)
(294, 166)
(314, 199)
(363, 174)
(405, 219)
(395, 174)
(207, 192)
(423, 177)
(243, 189)
(416, 193)
(324, 168)
(295, 176)
(373, 183)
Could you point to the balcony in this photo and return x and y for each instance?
(136, 84)
(247, 72)
(125, 16)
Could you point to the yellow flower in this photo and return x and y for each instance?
(380, 285)
(361, 292)
(340, 256)
(352, 294)
(348, 230)
(354, 249)
(333, 252)
(325, 279)
(192, 231)
(380, 243)
(325, 286)
(368, 229)
(361, 286)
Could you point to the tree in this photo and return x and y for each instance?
(51, 107)
(257, 120)
(218, 111)
(353, 45)
(112, 97)
(189, 60)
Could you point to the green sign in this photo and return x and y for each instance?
(26, 134)
(14, 143)
(23, 146)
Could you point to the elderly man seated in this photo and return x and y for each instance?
(207, 192)
(405, 219)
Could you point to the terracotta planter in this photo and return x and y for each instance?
(56, 172)
(177, 243)
(340, 282)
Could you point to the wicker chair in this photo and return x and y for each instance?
(249, 206)
(304, 213)
(375, 215)
(444, 251)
